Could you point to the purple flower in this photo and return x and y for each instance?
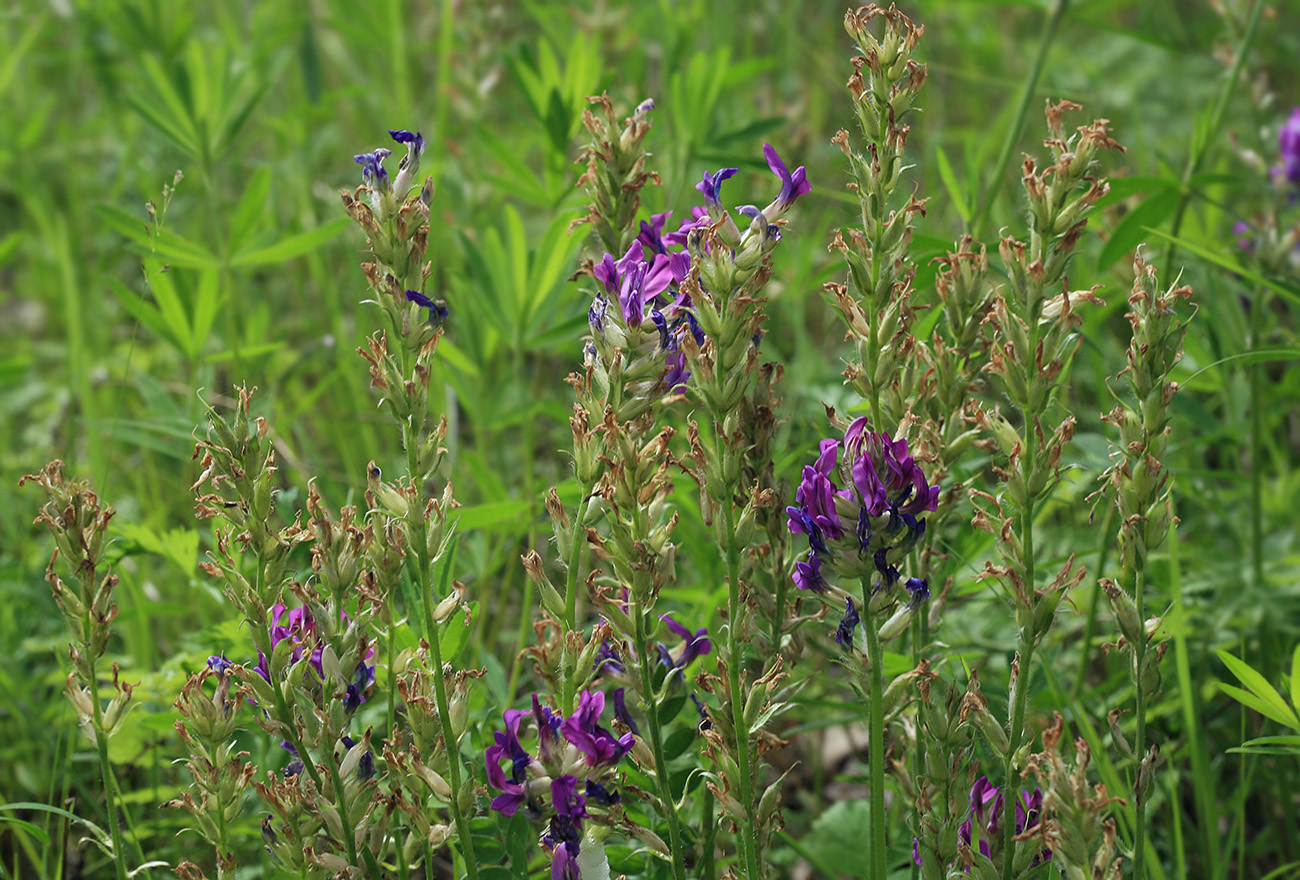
(220, 665)
(634, 282)
(300, 629)
(598, 744)
(986, 805)
(711, 187)
(697, 645)
(705, 723)
(565, 797)
(438, 312)
(652, 233)
(792, 185)
(620, 711)
(564, 865)
(508, 746)
(607, 660)
(548, 732)
(808, 575)
(918, 591)
(601, 795)
(362, 683)
(848, 623)
(373, 173)
(1288, 145)
(885, 474)
(414, 142)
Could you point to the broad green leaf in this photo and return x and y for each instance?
(1286, 290)
(1130, 231)
(950, 183)
(293, 246)
(1295, 678)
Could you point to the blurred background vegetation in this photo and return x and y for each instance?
(106, 331)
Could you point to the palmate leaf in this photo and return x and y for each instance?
(1261, 695)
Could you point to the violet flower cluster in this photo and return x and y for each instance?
(1288, 146)
(865, 528)
(568, 779)
(982, 825)
(609, 663)
(653, 315)
(298, 627)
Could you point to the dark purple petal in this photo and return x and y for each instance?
(808, 575)
(1288, 144)
(792, 185)
(919, 590)
(564, 864)
(711, 186)
(848, 623)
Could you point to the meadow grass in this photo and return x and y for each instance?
(243, 270)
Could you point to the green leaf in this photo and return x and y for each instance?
(1263, 691)
(951, 184)
(293, 246)
(1295, 678)
(22, 825)
(485, 515)
(248, 213)
(1132, 229)
(1286, 290)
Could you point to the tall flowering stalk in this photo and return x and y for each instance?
(83, 590)
(394, 216)
(1033, 343)
(729, 268)
(1140, 488)
(877, 306)
(631, 365)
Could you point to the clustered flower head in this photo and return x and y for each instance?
(1288, 146)
(865, 528)
(981, 830)
(298, 628)
(567, 780)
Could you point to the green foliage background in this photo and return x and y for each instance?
(262, 105)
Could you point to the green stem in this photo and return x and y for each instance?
(572, 576)
(646, 669)
(105, 768)
(1022, 112)
(735, 696)
(876, 740)
(708, 822)
(1201, 146)
(450, 743)
(1085, 649)
(1139, 743)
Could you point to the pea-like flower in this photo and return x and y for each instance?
(1288, 145)
(870, 522)
(860, 513)
(567, 781)
(793, 184)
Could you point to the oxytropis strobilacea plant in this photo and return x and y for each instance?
(729, 270)
(1034, 341)
(349, 802)
(1140, 487)
(676, 311)
(83, 589)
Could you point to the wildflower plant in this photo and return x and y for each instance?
(1139, 484)
(82, 582)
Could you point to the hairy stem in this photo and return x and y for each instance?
(450, 742)
(749, 841)
(1022, 112)
(876, 740)
(646, 668)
